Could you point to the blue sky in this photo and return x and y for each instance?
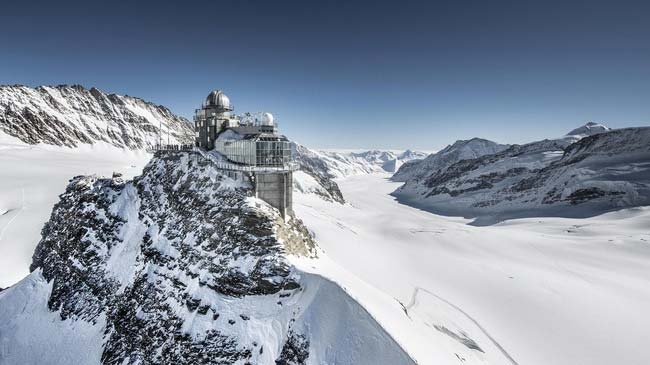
(353, 74)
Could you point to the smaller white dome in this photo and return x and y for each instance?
(267, 119)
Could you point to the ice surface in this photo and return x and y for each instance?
(531, 291)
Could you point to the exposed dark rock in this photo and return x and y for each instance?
(295, 350)
(181, 225)
(583, 195)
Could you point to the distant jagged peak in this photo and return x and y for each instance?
(412, 155)
(459, 150)
(474, 146)
(590, 128)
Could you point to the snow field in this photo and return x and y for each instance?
(530, 291)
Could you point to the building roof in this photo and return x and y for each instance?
(218, 99)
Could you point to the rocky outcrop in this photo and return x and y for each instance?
(182, 265)
(140, 253)
(73, 115)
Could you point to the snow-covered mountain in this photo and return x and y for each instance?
(460, 150)
(409, 155)
(314, 175)
(589, 129)
(340, 164)
(181, 265)
(73, 115)
(604, 171)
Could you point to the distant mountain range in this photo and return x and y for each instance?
(325, 166)
(474, 178)
(591, 170)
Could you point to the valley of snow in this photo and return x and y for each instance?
(32, 178)
(533, 291)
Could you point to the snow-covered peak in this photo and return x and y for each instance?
(73, 115)
(459, 150)
(473, 148)
(589, 129)
(409, 155)
(375, 156)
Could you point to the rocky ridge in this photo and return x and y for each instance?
(72, 115)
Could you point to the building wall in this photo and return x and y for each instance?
(276, 189)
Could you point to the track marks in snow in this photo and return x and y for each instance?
(319, 213)
(436, 231)
(20, 210)
(414, 302)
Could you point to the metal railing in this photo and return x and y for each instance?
(225, 165)
(222, 164)
(170, 148)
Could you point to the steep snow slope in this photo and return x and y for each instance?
(460, 150)
(180, 266)
(31, 180)
(73, 115)
(532, 291)
(315, 176)
(602, 172)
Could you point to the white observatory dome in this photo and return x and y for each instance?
(267, 119)
(218, 99)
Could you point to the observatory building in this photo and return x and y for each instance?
(249, 147)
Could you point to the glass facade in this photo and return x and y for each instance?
(260, 151)
(272, 153)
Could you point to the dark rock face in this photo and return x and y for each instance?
(295, 350)
(80, 231)
(584, 195)
(73, 115)
(144, 255)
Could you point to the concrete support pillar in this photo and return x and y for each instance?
(276, 189)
